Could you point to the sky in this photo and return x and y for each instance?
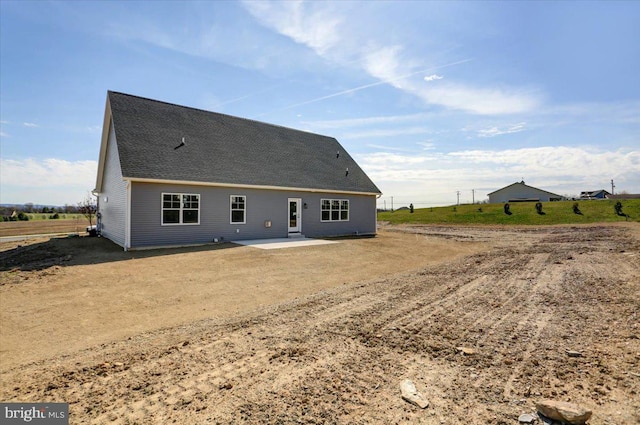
(439, 102)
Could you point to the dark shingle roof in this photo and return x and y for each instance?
(226, 150)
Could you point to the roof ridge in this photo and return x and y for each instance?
(219, 113)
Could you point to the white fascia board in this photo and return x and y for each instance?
(106, 127)
(247, 186)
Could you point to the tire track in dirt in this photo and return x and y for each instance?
(409, 296)
(510, 333)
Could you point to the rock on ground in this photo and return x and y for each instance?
(411, 394)
(526, 418)
(564, 412)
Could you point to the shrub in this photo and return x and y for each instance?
(618, 208)
(576, 209)
(23, 217)
(55, 216)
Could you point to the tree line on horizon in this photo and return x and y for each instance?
(19, 212)
(30, 208)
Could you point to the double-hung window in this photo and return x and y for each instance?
(334, 210)
(180, 208)
(238, 209)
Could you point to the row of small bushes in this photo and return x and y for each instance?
(26, 217)
(20, 217)
(523, 213)
(576, 209)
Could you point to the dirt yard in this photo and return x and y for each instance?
(485, 321)
(37, 227)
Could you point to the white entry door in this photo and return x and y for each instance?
(295, 215)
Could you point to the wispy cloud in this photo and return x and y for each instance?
(579, 161)
(626, 112)
(483, 100)
(385, 132)
(394, 81)
(215, 105)
(51, 172)
(433, 77)
(3, 134)
(365, 121)
(495, 131)
(323, 33)
(49, 181)
(82, 128)
(390, 63)
(389, 148)
(30, 124)
(316, 25)
(251, 47)
(427, 146)
(384, 161)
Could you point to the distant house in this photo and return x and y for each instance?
(594, 194)
(172, 175)
(520, 192)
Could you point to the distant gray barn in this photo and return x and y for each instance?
(520, 192)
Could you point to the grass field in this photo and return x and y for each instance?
(522, 213)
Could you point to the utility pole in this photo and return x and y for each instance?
(458, 193)
(385, 204)
(392, 204)
(612, 186)
(473, 196)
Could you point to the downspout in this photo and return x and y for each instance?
(95, 193)
(127, 219)
(376, 211)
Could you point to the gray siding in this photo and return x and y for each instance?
(262, 205)
(362, 216)
(113, 198)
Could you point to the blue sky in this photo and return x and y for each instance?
(431, 98)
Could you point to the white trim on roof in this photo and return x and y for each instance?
(246, 186)
(104, 140)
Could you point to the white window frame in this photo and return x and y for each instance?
(231, 209)
(181, 209)
(339, 210)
